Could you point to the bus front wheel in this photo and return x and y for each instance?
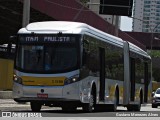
(36, 107)
(88, 107)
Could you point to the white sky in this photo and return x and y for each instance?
(126, 24)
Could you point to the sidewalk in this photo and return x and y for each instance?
(146, 104)
(7, 101)
(11, 105)
(5, 94)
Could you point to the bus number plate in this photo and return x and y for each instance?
(42, 95)
(58, 82)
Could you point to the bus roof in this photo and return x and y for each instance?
(138, 50)
(53, 27)
(68, 27)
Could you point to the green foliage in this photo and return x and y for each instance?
(156, 74)
(155, 53)
(156, 67)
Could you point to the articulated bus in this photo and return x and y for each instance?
(71, 64)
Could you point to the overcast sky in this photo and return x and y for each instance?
(126, 24)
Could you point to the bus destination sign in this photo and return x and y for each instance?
(46, 39)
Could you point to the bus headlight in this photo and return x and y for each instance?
(17, 79)
(71, 80)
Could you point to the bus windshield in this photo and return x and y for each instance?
(48, 57)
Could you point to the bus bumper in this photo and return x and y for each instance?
(50, 93)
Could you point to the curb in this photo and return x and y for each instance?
(6, 95)
(146, 104)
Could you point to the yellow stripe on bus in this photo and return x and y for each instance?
(44, 81)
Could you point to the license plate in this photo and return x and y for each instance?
(42, 95)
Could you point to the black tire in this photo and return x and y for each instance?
(137, 107)
(35, 107)
(88, 107)
(134, 107)
(113, 107)
(154, 106)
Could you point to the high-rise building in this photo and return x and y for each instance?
(146, 15)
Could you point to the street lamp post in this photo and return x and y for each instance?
(26, 13)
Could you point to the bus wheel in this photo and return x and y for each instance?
(88, 107)
(115, 104)
(36, 107)
(134, 107)
(137, 107)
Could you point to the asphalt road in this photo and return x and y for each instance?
(8, 105)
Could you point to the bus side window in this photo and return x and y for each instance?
(85, 52)
(84, 57)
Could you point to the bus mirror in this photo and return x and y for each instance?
(13, 39)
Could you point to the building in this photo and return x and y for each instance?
(94, 6)
(146, 16)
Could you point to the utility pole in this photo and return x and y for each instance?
(116, 25)
(26, 13)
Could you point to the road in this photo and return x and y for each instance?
(11, 106)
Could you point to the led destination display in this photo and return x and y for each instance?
(47, 39)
